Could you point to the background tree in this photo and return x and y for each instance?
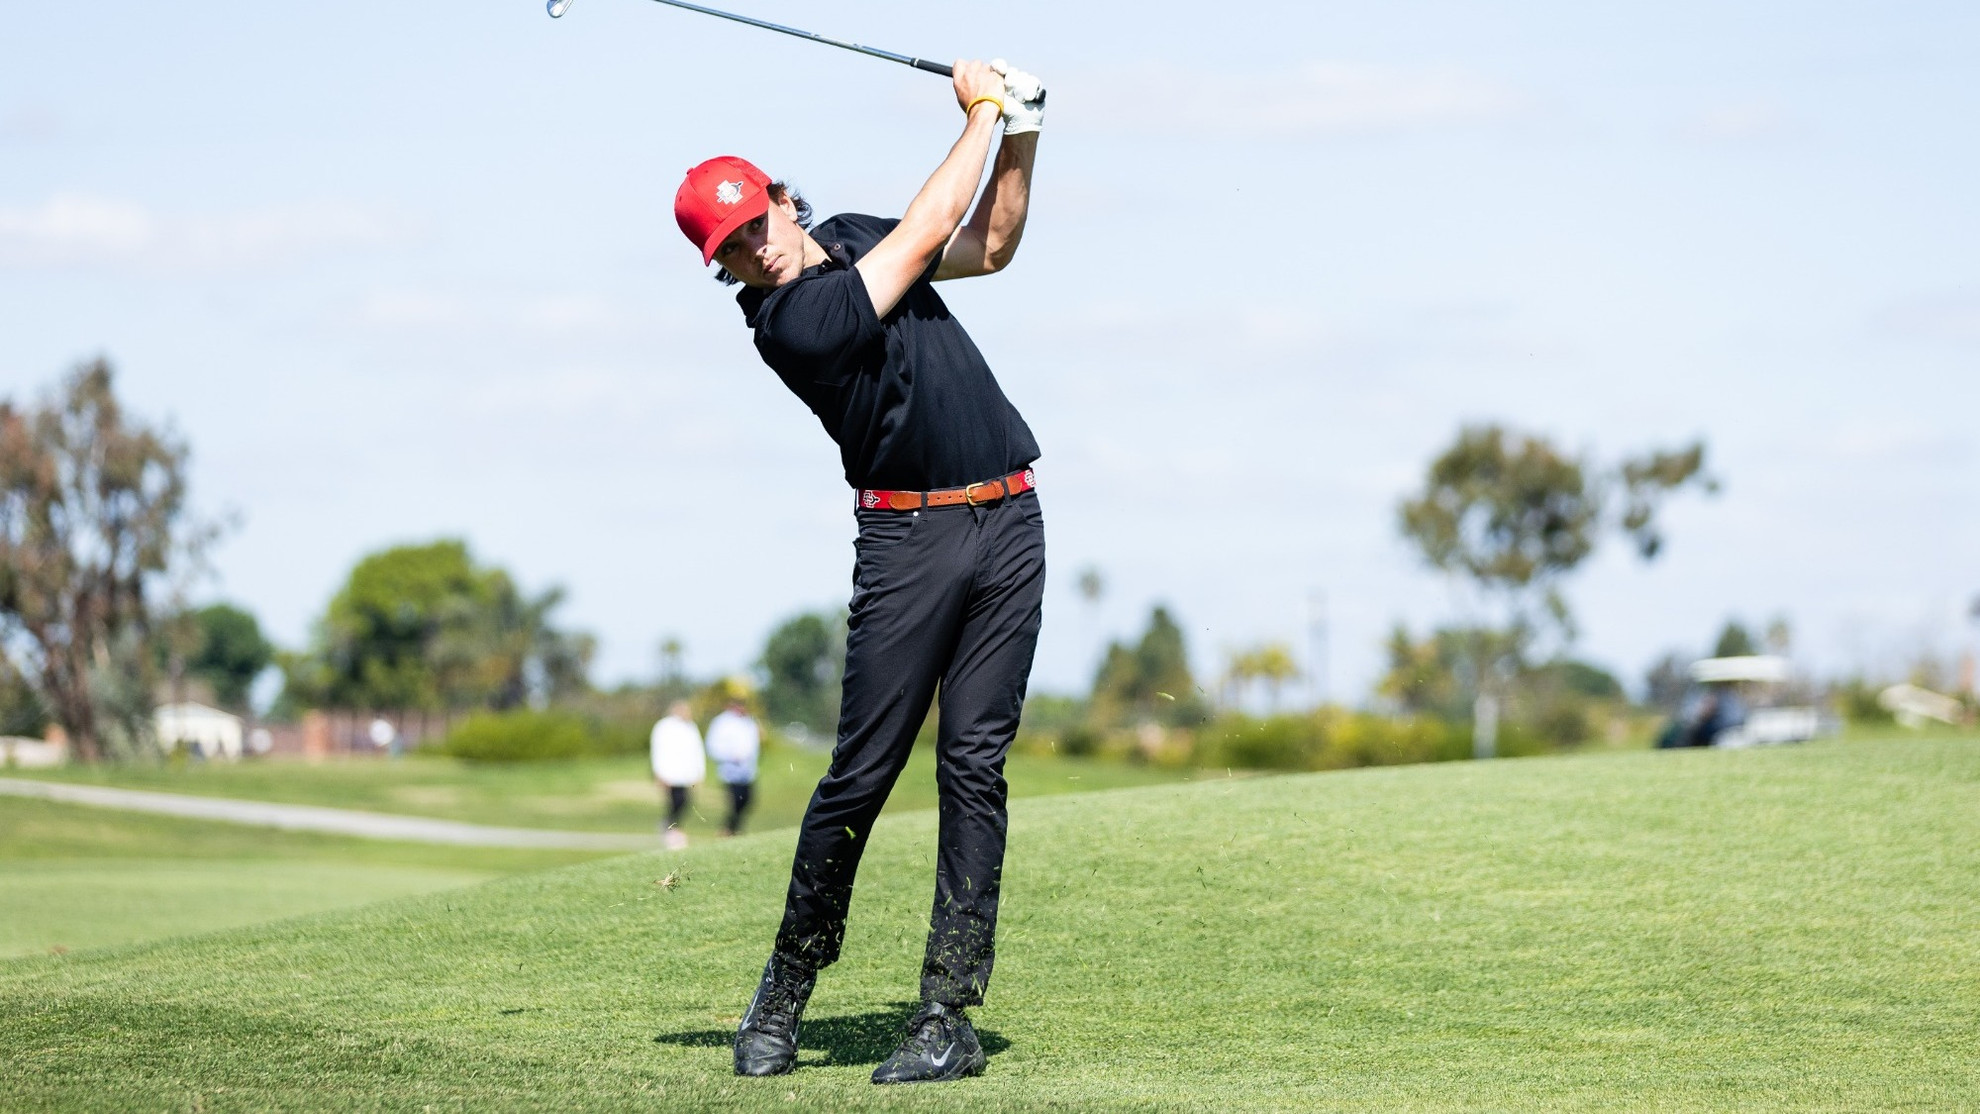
(1092, 585)
(673, 660)
(1149, 681)
(1269, 664)
(505, 652)
(1666, 682)
(21, 711)
(1433, 676)
(424, 626)
(674, 683)
(1734, 641)
(232, 653)
(1779, 636)
(93, 518)
(802, 663)
(1512, 516)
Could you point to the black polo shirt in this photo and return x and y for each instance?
(907, 396)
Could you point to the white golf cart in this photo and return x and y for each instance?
(1743, 702)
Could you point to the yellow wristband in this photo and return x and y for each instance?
(993, 100)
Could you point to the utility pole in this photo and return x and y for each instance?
(1967, 681)
(1316, 632)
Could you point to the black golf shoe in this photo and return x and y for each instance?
(940, 1045)
(766, 1042)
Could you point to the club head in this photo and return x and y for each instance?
(559, 7)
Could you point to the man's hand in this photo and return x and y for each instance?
(975, 82)
(1024, 106)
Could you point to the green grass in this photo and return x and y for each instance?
(74, 877)
(1785, 928)
(612, 794)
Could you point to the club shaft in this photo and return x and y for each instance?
(917, 63)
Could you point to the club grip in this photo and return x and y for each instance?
(934, 67)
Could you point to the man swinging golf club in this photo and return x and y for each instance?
(950, 565)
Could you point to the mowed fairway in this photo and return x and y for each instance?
(1791, 928)
(595, 794)
(73, 877)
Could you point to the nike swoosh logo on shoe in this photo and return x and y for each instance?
(943, 1059)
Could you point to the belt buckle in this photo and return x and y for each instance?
(969, 493)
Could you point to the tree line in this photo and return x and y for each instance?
(99, 547)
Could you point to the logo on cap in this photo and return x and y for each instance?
(717, 197)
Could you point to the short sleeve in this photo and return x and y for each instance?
(819, 328)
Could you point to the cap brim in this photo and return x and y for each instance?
(747, 210)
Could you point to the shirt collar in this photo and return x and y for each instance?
(837, 258)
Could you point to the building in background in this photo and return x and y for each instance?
(215, 734)
(23, 753)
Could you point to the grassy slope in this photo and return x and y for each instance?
(1795, 927)
(597, 795)
(75, 877)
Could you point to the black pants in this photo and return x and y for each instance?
(677, 805)
(952, 596)
(739, 794)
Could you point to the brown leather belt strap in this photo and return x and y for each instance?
(976, 494)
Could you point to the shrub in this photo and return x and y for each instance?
(1079, 742)
(1329, 739)
(528, 736)
(1855, 700)
(1278, 743)
(1048, 712)
(618, 737)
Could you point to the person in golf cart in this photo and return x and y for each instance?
(1741, 702)
(950, 568)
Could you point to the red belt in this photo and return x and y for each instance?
(874, 499)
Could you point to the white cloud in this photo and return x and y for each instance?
(77, 230)
(552, 315)
(1904, 443)
(69, 228)
(1317, 98)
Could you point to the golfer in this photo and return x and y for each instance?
(735, 743)
(950, 565)
(679, 764)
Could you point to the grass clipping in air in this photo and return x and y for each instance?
(1793, 927)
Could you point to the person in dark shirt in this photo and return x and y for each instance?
(950, 564)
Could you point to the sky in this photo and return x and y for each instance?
(410, 272)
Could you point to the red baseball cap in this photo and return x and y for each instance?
(716, 198)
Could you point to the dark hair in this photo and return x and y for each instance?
(779, 192)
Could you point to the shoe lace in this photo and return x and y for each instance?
(930, 1031)
(776, 1017)
(777, 1009)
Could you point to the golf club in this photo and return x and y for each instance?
(559, 7)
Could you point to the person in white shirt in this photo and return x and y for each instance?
(733, 744)
(678, 763)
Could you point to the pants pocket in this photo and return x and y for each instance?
(882, 530)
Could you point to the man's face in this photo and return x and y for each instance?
(766, 252)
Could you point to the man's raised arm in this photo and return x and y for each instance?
(986, 244)
(934, 214)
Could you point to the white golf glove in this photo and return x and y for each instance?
(1024, 105)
